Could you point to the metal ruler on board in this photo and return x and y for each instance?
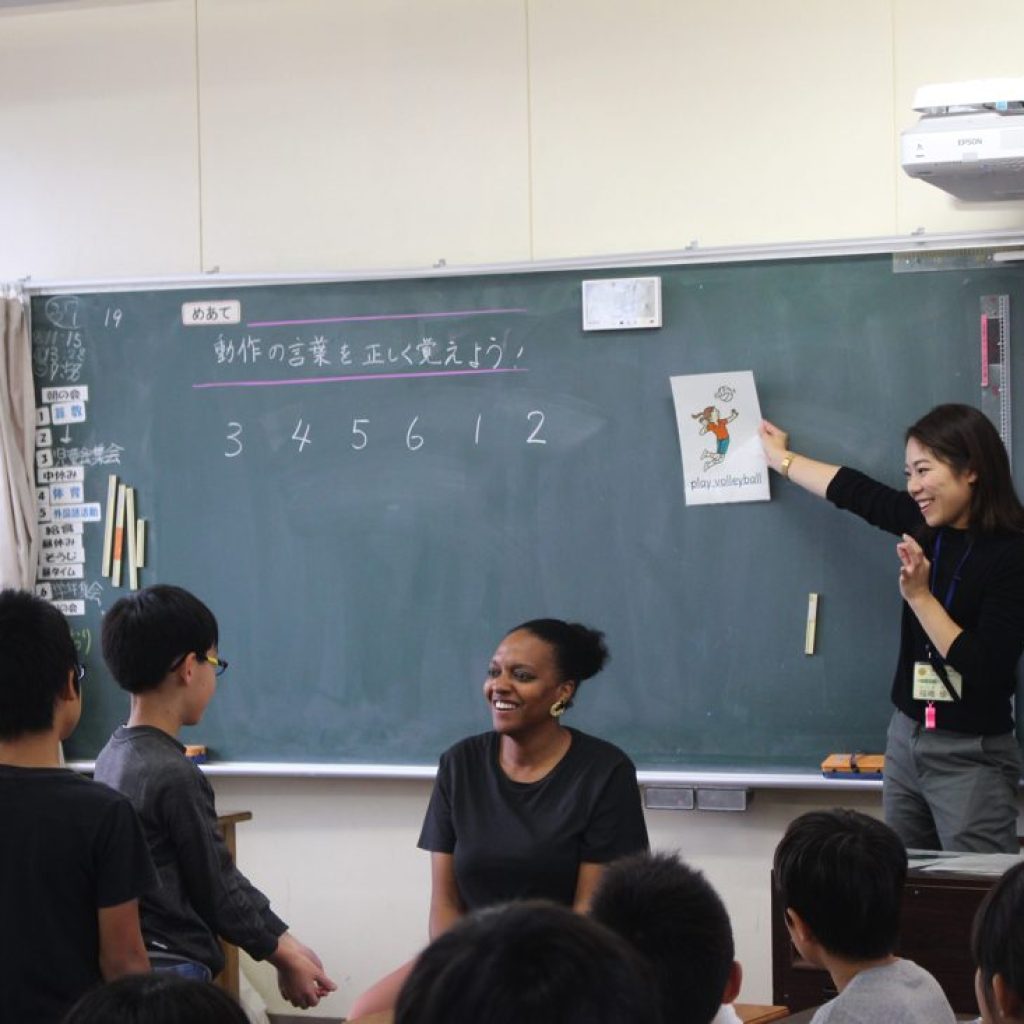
(995, 364)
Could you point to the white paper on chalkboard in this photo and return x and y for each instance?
(622, 303)
(717, 416)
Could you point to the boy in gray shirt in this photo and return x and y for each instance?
(840, 875)
(161, 646)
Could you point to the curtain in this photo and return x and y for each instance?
(18, 528)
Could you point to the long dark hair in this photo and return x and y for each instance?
(963, 437)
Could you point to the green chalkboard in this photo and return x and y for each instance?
(369, 481)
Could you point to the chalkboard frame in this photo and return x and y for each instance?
(915, 249)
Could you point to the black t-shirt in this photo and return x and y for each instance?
(68, 847)
(515, 840)
(987, 603)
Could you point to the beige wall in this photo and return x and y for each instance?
(162, 137)
(148, 137)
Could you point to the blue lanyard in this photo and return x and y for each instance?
(936, 662)
(951, 589)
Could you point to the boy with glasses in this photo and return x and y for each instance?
(160, 644)
(73, 860)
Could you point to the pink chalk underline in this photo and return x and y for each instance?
(354, 376)
(381, 316)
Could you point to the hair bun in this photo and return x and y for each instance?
(581, 651)
(590, 650)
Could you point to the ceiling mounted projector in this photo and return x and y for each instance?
(969, 140)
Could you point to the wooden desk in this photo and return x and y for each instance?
(749, 1013)
(804, 1017)
(228, 978)
(801, 1016)
(938, 910)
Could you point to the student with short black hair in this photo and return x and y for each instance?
(157, 998)
(670, 914)
(840, 877)
(531, 961)
(161, 646)
(997, 943)
(73, 860)
(141, 632)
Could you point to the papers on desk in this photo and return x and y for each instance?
(991, 864)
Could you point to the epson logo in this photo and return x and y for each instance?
(968, 142)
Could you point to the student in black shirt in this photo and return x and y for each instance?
(952, 762)
(73, 860)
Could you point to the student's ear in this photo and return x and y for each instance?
(70, 691)
(732, 985)
(186, 670)
(794, 922)
(67, 707)
(1008, 1002)
(797, 926)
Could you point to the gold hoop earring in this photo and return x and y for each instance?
(557, 709)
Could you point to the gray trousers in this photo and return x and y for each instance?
(950, 790)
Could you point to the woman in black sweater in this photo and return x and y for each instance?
(952, 762)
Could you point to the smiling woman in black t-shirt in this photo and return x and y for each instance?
(531, 809)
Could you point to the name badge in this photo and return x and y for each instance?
(928, 686)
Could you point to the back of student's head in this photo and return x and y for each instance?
(158, 998)
(672, 916)
(997, 940)
(36, 653)
(530, 961)
(145, 634)
(843, 873)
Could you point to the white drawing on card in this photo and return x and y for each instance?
(717, 415)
